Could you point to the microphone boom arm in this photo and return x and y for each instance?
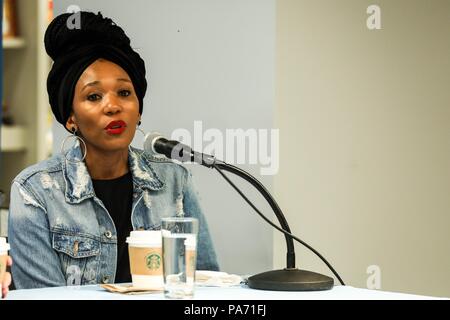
(290, 257)
(290, 278)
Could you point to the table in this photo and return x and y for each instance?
(242, 292)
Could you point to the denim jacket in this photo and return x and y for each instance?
(61, 233)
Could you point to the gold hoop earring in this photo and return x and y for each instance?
(140, 130)
(76, 137)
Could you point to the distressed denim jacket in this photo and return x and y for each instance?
(61, 233)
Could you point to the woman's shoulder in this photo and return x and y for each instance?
(161, 165)
(52, 164)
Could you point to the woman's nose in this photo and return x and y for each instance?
(112, 104)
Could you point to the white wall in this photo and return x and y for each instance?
(365, 135)
(214, 61)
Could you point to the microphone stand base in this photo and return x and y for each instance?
(290, 280)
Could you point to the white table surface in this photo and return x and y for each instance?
(95, 292)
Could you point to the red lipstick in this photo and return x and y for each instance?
(116, 127)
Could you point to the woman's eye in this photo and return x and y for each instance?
(124, 93)
(93, 97)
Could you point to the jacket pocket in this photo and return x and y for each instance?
(76, 246)
(78, 255)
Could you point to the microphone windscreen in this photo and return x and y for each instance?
(149, 141)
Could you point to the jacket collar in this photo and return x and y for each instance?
(79, 183)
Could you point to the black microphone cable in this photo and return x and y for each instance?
(278, 228)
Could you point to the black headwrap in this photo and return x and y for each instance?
(73, 50)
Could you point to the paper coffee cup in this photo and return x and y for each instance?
(4, 248)
(145, 250)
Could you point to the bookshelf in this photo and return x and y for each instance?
(13, 138)
(25, 69)
(13, 43)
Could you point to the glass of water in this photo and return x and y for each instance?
(179, 249)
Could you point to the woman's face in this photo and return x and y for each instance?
(105, 107)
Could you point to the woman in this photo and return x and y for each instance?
(70, 215)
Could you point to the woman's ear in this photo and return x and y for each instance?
(71, 124)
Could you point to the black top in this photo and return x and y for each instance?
(117, 196)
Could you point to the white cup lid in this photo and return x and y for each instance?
(152, 237)
(3, 245)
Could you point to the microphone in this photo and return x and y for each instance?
(155, 143)
(287, 279)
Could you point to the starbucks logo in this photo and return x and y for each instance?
(153, 261)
